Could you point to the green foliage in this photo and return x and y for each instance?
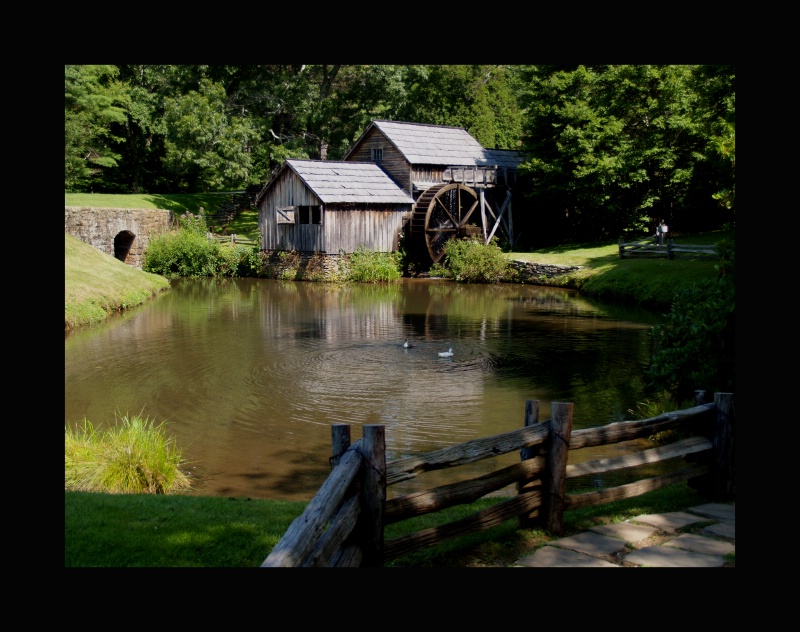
(93, 101)
(366, 266)
(133, 457)
(472, 261)
(658, 405)
(479, 98)
(238, 260)
(695, 347)
(615, 148)
(206, 149)
(188, 252)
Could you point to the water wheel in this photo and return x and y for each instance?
(443, 213)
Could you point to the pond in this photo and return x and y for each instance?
(249, 375)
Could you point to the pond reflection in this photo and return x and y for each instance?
(249, 374)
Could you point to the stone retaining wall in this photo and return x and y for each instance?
(121, 233)
(303, 266)
(318, 267)
(527, 272)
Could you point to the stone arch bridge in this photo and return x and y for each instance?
(122, 233)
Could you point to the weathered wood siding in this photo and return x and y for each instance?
(393, 162)
(289, 190)
(426, 176)
(343, 228)
(376, 228)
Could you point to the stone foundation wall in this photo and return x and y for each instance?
(100, 227)
(527, 272)
(303, 266)
(295, 266)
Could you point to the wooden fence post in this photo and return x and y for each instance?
(724, 465)
(340, 441)
(531, 418)
(373, 495)
(555, 474)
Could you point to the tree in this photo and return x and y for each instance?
(183, 123)
(207, 148)
(479, 98)
(93, 100)
(615, 149)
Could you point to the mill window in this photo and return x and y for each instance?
(309, 215)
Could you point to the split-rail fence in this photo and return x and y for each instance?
(343, 525)
(649, 247)
(232, 239)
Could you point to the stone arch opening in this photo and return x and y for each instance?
(122, 245)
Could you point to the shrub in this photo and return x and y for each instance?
(188, 252)
(237, 260)
(694, 348)
(367, 266)
(133, 457)
(472, 261)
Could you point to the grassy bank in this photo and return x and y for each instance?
(140, 530)
(647, 282)
(97, 285)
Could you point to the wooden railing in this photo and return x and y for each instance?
(343, 525)
(233, 239)
(649, 247)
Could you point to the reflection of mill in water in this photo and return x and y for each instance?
(250, 374)
(365, 357)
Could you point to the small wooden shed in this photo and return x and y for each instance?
(329, 207)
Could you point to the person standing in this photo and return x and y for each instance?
(661, 230)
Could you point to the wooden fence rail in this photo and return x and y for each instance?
(233, 239)
(343, 525)
(649, 247)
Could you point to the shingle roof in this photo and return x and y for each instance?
(441, 145)
(358, 182)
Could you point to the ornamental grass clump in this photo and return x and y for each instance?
(133, 457)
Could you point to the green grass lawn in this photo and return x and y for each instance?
(144, 530)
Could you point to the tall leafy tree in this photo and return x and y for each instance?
(207, 148)
(93, 100)
(616, 149)
(479, 98)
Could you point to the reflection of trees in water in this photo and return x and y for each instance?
(263, 367)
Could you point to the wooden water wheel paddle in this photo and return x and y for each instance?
(441, 214)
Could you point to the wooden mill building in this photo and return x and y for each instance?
(427, 183)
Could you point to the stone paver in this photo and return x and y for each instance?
(555, 557)
(715, 510)
(725, 529)
(666, 556)
(625, 531)
(700, 544)
(590, 543)
(603, 542)
(670, 522)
